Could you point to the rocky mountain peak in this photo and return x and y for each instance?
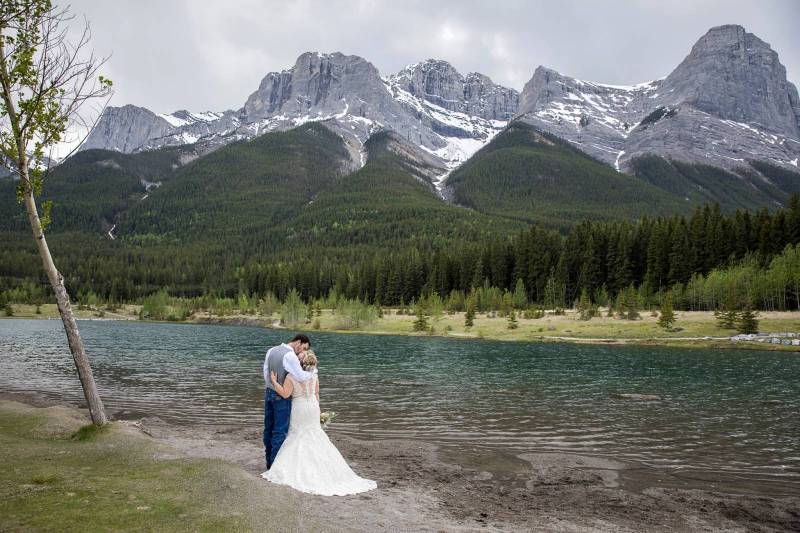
(439, 83)
(126, 128)
(727, 38)
(433, 80)
(726, 103)
(316, 83)
(734, 75)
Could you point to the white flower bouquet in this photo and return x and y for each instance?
(326, 418)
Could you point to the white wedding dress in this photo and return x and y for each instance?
(308, 461)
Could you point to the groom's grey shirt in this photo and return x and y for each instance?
(282, 360)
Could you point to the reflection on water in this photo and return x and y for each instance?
(721, 411)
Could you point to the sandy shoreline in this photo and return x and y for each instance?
(426, 487)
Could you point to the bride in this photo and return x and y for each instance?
(308, 461)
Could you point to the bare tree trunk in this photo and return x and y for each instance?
(96, 410)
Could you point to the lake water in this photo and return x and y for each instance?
(722, 412)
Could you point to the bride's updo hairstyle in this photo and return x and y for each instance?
(309, 361)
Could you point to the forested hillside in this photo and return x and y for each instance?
(706, 184)
(533, 176)
(285, 211)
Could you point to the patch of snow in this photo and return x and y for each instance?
(343, 113)
(793, 161)
(174, 121)
(459, 149)
(149, 185)
(438, 182)
(619, 155)
(111, 232)
(740, 125)
(406, 97)
(206, 116)
(638, 87)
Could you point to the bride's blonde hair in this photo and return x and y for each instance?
(309, 361)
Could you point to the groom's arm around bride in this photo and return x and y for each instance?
(282, 360)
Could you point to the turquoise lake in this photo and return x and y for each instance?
(720, 413)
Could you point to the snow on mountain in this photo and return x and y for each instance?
(430, 105)
(726, 103)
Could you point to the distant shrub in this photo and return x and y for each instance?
(354, 314)
(533, 314)
(154, 306)
(659, 113)
(293, 310)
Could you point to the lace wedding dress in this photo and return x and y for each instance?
(308, 461)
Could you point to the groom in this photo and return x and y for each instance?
(282, 360)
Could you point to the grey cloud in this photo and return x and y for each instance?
(211, 55)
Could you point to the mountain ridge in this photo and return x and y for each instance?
(727, 103)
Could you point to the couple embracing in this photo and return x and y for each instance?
(298, 452)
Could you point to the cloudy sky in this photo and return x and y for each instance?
(211, 54)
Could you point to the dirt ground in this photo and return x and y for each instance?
(423, 487)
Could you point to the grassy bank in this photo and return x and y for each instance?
(57, 477)
(695, 328)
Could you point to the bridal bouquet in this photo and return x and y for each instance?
(326, 417)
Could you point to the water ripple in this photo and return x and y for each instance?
(718, 411)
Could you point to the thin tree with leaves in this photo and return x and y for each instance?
(45, 80)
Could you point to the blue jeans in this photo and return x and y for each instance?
(277, 411)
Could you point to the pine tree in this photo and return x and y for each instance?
(627, 305)
(793, 219)
(507, 305)
(421, 323)
(512, 320)
(679, 264)
(469, 316)
(585, 308)
(748, 321)
(727, 316)
(667, 318)
(520, 296)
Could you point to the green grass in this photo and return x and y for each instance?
(114, 481)
(90, 432)
(689, 325)
(690, 328)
